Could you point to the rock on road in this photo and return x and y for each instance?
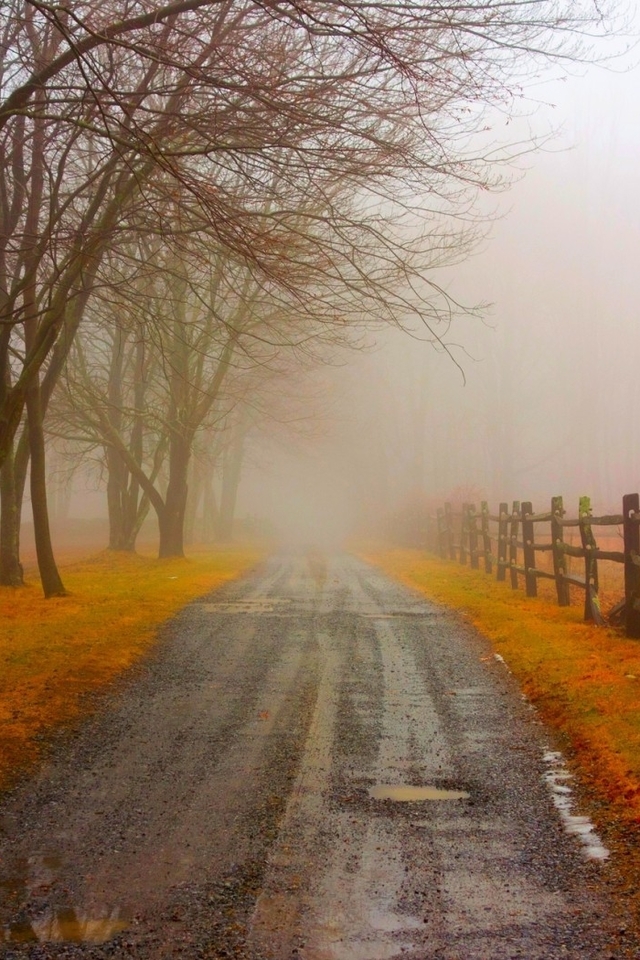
(219, 804)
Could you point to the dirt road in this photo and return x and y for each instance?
(230, 800)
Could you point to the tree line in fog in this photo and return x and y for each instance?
(202, 200)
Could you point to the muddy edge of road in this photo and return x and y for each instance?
(218, 804)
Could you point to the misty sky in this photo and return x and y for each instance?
(551, 388)
(551, 372)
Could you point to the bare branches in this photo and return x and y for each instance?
(323, 152)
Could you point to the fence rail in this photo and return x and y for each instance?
(506, 541)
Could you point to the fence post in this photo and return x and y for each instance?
(473, 536)
(589, 545)
(463, 534)
(486, 539)
(440, 521)
(631, 530)
(503, 532)
(531, 583)
(559, 558)
(513, 543)
(435, 525)
(448, 515)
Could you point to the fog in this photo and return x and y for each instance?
(544, 399)
(534, 396)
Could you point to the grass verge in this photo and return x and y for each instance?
(584, 680)
(53, 653)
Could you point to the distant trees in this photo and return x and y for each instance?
(295, 139)
(177, 352)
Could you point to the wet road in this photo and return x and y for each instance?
(232, 799)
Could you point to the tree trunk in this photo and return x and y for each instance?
(231, 470)
(127, 509)
(135, 509)
(171, 517)
(134, 526)
(209, 508)
(126, 514)
(61, 500)
(49, 575)
(11, 574)
(51, 581)
(10, 569)
(196, 484)
(116, 485)
(132, 508)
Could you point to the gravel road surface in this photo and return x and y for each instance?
(231, 798)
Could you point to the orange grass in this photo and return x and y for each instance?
(53, 653)
(584, 680)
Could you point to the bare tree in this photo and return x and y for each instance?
(193, 338)
(194, 356)
(229, 115)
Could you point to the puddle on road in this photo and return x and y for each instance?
(557, 777)
(36, 878)
(403, 793)
(64, 925)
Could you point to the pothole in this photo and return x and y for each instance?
(404, 793)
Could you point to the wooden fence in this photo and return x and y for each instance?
(506, 542)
